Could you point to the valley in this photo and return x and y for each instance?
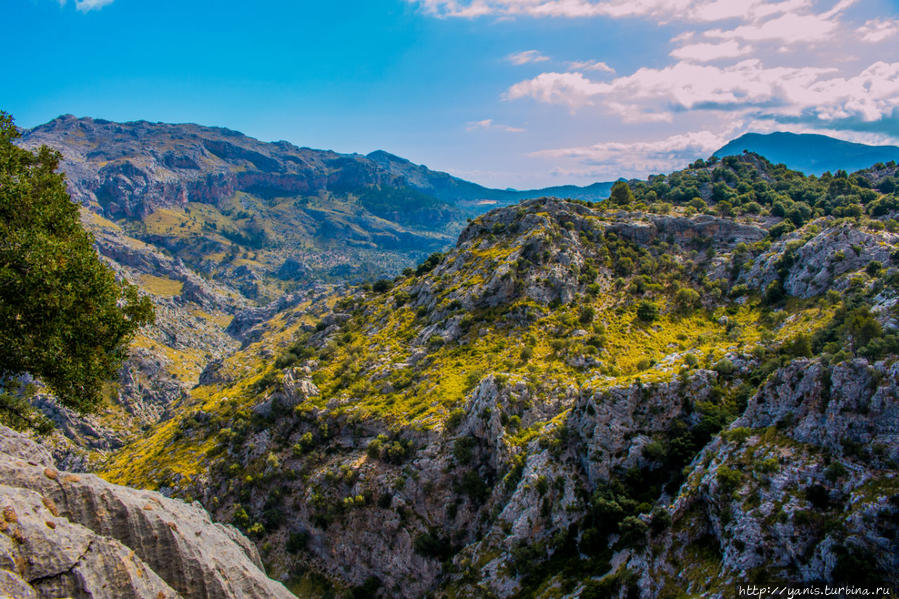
(395, 387)
(577, 398)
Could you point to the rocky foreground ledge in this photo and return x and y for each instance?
(68, 535)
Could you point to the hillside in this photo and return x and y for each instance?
(811, 154)
(690, 385)
(212, 223)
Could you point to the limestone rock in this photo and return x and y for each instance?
(69, 534)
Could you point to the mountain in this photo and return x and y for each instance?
(811, 154)
(692, 389)
(449, 188)
(214, 225)
(265, 216)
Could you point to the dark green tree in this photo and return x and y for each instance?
(621, 194)
(64, 318)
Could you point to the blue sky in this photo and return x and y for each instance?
(519, 93)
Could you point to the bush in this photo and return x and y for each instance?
(647, 311)
(729, 479)
(686, 300)
(775, 293)
(621, 194)
(780, 229)
(474, 486)
(463, 449)
(586, 315)
(429, 264)
(725, 367)
(382, 285)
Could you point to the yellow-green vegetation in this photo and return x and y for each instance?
(625, 323)
(219, 319)
(161, 286)
(550, 337)
(167, 451)
(185, 364)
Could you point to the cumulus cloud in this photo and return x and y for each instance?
(590, 65)
(705, 52)
(787, 29)
(526, 57)
(490, 125)
(748, 87)
(611, 160)
(572, 89)
(877, 30)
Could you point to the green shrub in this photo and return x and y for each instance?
(647, 311)
(729, 479)
(382, 285)
(686, 300)
(297, 541)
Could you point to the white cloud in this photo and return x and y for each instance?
(489, 125)
(789, 22)
(590, 65)
(748, 87)
(526, 57)
(572, 89)
(611, 160)
(703, 52)
(877, 30)
(662, 10)
(786, 29)
(87, 5)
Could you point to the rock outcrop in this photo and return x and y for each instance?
(803, 487)
(64, 534)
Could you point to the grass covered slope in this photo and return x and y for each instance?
(518, 415)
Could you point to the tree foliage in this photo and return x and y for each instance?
(750, 184)
(621, 194)
(64, 318)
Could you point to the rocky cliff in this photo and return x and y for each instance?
(577, 400)
(74, 535)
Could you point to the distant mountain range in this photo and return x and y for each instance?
(267, 214)
(811, 154)
(267, 217)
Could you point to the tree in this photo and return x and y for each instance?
(621, 194)
(64, 318)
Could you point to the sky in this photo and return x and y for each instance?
(507, 93)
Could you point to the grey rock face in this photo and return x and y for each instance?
(613, 426)
(803, 485)
(64, 534)
(815, 265)
(43, 554)
(850, 405)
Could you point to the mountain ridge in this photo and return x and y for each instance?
(810, 153)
